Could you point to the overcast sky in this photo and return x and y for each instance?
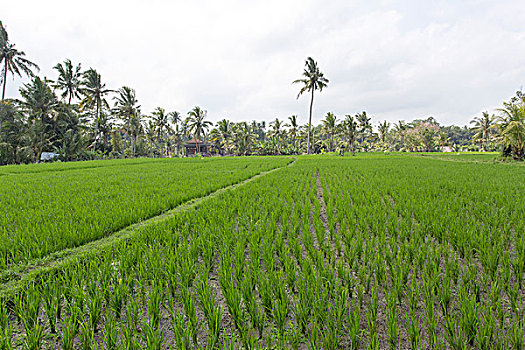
(237, 59)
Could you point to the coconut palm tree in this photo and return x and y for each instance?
(13, 60)
(126, 107)
(483, 127)
(294, 129)
(364, 124)
(383, 129)
(350, 130)
(40, 103)
(512, 127)
(330, 127)
(94, 93)
(197, 124)
(221, 133)
(313, 80)
(161, 120)
(175, 117)
(69, 80)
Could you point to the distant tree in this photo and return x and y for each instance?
(69, 80)
(175, 117)
(383, 129)
(349, 131)
(94, 93)
(313, 80)
(512, 126)
(294, 129)
(221, 134)
(128, 109)
(40, 104)
(13, 60)
(365, 127)
(197, 124)
(483, 128)
(330, 126)
(162, 125)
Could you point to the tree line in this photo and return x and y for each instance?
(77, 117)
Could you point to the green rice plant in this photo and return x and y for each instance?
(373, 342)
(183, 335)
(414, 328)
(469, 321)
(212, 312)
(371, 316)
(27, 306)
(486, 334)
(445, 296)
(119, 292)
(52, 303)
(153, 336)
(517, 340)
(294, 336)
(110, 334)
(34, 336)
(392, 323)
(86, 334)
(129, 335)
(156, 296)
(69, 328)
(94, 305)
(314, 341)
(6, 330)
(353, 325)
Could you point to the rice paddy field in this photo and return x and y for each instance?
(312, 252)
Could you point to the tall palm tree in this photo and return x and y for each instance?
(483, 127)
(13, 60)
(40, 103)
(383, 129)
(127, 108)
(197, 124)
(365, 127)
(313, 80)
(175, 117)
(350, 130)
(69, 80)
(161, 120)
(294, 129)
(94, 93)
(330, 127)
(221, 133)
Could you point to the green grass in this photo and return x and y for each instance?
(51, 207)
(371, 251)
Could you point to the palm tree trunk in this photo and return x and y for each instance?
(310, 122)
(5, 80)
(96, 126)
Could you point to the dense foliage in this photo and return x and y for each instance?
(77, 117)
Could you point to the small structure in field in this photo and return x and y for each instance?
(190, 148)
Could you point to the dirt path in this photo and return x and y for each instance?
(11, 279)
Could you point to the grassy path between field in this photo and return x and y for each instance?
(14, 278)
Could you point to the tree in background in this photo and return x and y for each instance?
(197, 124)
(69, 80)
(12, 60)
(511, 126)
(94, 93)
(483, 128)
(313, 80)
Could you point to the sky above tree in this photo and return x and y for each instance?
(237, 59)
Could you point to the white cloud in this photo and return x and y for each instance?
(237, 59)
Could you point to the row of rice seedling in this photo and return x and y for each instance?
(47, 211)
(328, 253)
